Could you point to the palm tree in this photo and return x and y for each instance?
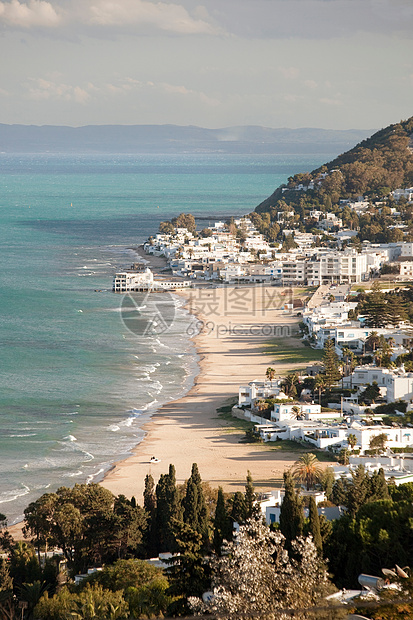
(289, 385)
(307, 470)
(352, 440)
(270, 373)
(373, 340)
(320, 384)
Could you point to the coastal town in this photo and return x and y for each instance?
(300, 421)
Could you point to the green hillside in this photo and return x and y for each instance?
(373, 168)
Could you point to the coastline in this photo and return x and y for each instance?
(231, 351)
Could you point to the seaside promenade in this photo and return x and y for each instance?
(237, 326)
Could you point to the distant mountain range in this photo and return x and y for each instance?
(174, 139)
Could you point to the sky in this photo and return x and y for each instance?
(333, 64)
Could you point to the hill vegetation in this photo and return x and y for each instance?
(371, 170)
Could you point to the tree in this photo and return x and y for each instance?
(91, 603)
(270, 373)
(331, 364)
(339, 492)
(373, 340)
(185, 220)
(378, 486)
(289, 384)
(195, 512)
(87, 522)
(149, 505)
(378, 443)
(249, 497)
(314, 525)
(238, 509)
(370, 394)
(167, 508)
(188, 573)
(352, 441)
(374, 308)
(256, 577)
(320, 384)
(307, 470)
(222, 523)
(291, 513)
(357, 489)
(130, 522)
(327, 480)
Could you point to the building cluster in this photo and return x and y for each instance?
(229, 257)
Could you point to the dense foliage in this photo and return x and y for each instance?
(374, 168)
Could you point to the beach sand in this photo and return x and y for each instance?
(238, 323)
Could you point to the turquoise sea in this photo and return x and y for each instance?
(75, 384)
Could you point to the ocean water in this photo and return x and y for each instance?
(75, 384)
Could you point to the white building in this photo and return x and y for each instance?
(248, 394)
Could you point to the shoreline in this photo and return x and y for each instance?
(231, 353)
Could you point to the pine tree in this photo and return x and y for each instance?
(188, 573)
(314, 525)
(378, 486)
(396, 309)
(291, 514)
(249, 497)
(339, 493)
(331, 364)
(222, 523)
(357, 490)
(375, 308)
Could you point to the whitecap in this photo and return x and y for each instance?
(90, 478)
(113, 428)
(70, 438)
(10, 496)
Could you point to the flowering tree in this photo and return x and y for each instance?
(256, 577)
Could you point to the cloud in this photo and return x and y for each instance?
(328, 101)
(163, 88)
(160, 15)
(312, 84)
(290, 73)
(28, 15)
(40, 89)
(311, 19)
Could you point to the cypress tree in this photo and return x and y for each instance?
(378, 486)
(195, 511)
(291, 514)
(149, 504)
(314, 525)
(238, 507)
(357, 490)
(166, 510)
(249, 497)
(149, 498)
(331, 363)
(222, 523)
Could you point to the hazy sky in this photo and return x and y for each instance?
(336, 64)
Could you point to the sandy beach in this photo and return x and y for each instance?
(238, 323)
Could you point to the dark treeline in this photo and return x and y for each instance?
(94, 528)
